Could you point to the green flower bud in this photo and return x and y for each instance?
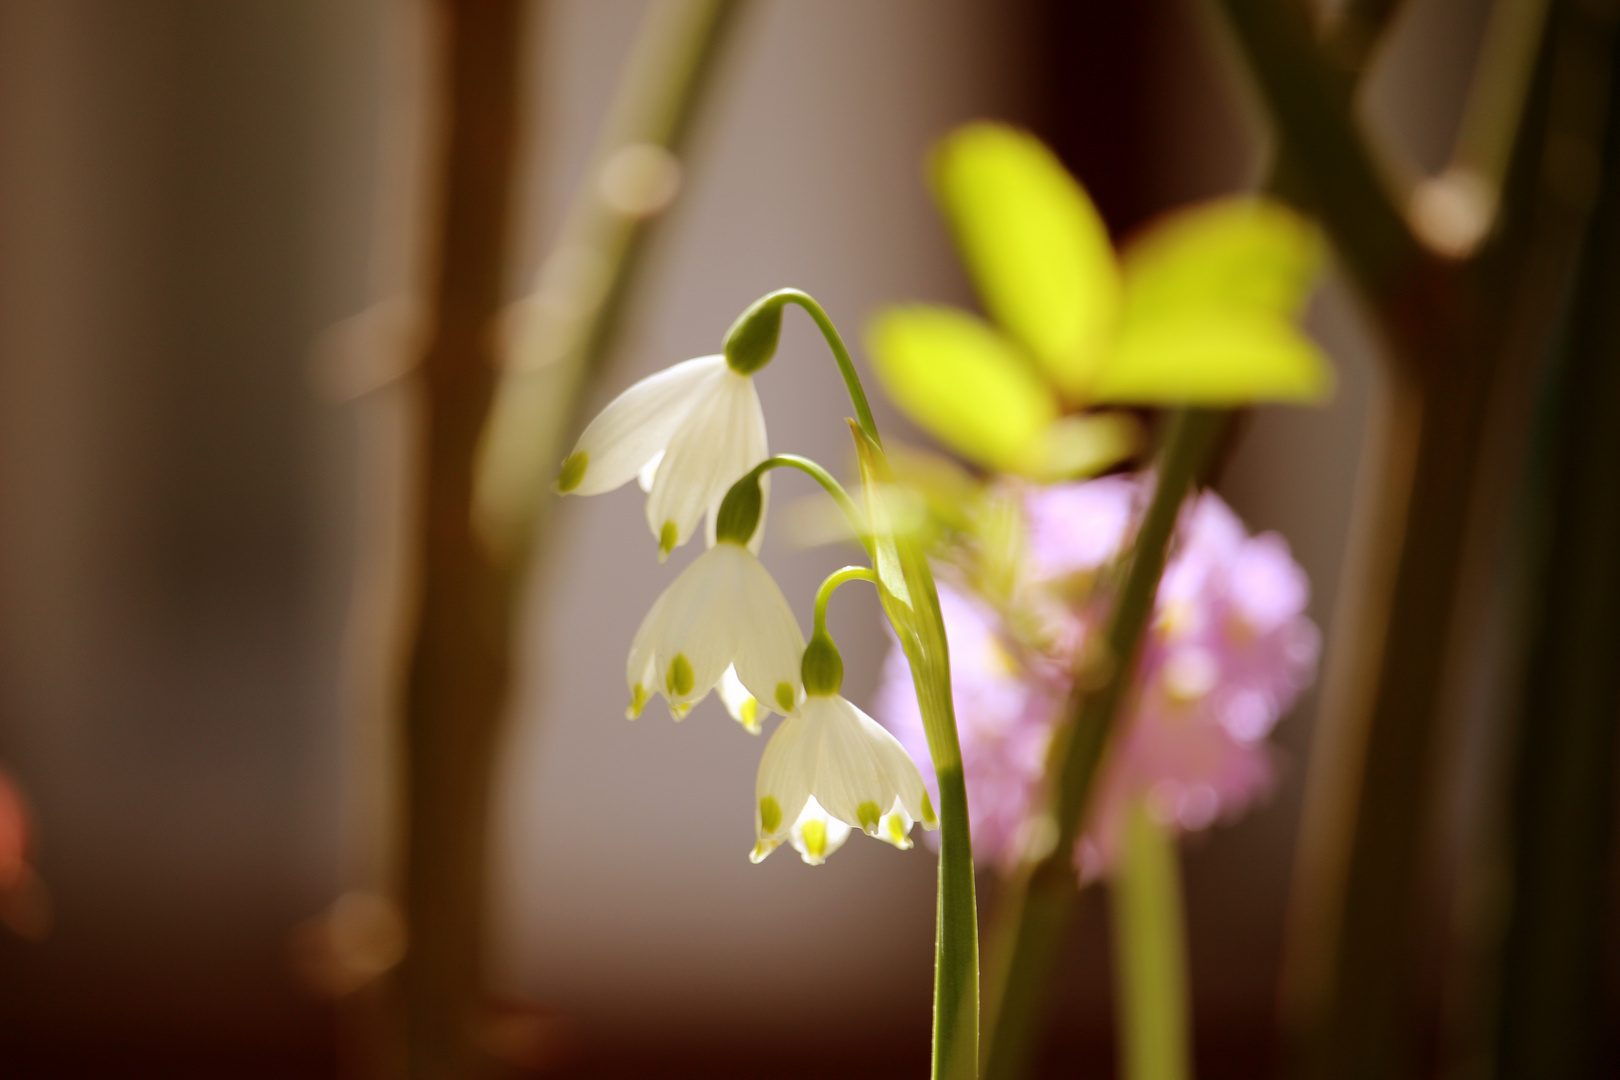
(739, 512)
(751, 341)
(822, 669)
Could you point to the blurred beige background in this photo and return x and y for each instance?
(189, 198)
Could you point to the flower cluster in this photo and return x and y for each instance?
(1228, 652)
(694, 434)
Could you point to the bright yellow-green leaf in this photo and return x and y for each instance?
(964, 382)
(1214, 360)
(1233, 256)
(1034, 244)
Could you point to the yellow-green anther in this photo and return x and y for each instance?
(638, 701)
(748, 715)
(668, 536)
(869, 815)
(770, 814)
(785, 697)
(929, 817)
(573, 471)
(679, 680)
(815, 838)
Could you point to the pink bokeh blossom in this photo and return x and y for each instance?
(1228, 652)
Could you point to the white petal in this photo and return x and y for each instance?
(782, 786)
(863, 770)
(771, 650)
(722, 437)
(649, 473)
(640, 422)
(817, 834)
(743, 706)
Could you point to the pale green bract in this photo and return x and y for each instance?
(1201, 309)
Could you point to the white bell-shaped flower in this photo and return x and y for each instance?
(687, 432)
(722, 612)
(832, 756)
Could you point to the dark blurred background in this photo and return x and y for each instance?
(194, 515)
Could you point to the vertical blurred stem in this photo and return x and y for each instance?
(484, 446)
(1036, 904)
(1561, 833)
(557, 337)
(456, 676)
(1150, 949)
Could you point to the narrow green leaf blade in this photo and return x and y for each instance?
(1236, 257)
(1215, 360)
(1034, 245)
(970, 387)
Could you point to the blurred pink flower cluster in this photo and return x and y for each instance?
(1228, 651)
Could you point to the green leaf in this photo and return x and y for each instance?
(1215, 360)
(1034, 244)
(965, 383)
(1233, 256)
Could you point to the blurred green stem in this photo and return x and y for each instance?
(557, 337)
(1035, 905)
(1150, 950)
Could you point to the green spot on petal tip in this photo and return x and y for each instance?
(770, 814)
(638, 701)
(668, 537)
(573, 471)
(678, 682)
(929, 817)
(815, 839)
(869, 814)
(785, 697)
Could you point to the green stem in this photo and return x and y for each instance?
(846, 366)
(1037, 902)
(1150, 951)
(835, 579)
(911, 601)
(828, 482)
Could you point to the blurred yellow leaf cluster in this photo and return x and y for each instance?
(1201, 309)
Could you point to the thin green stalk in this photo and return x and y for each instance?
(1150, 949)
(911, 601)
(764, 319)
(828, 482)
(1037, 902)
(828, 587)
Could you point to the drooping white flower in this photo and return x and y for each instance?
(688, 433)
(832, 756)
(722, 612)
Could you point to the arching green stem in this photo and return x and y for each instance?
(840, 577)
(772, 304)
(821, 476)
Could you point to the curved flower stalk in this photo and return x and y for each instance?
(1228, 651)
(694, 435)
(686, 433)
